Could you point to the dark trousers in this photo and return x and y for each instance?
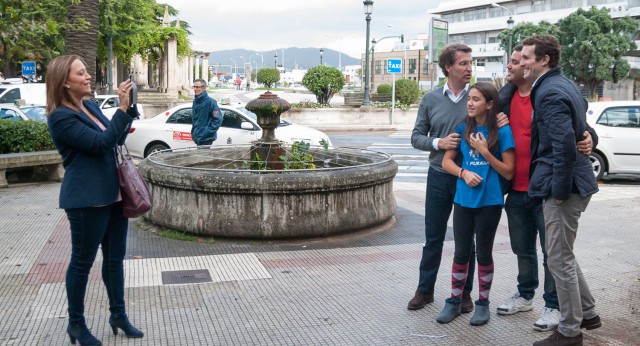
(526, 222)
(481, 223)
(91, 228)
(441, 188)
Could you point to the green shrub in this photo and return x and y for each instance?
(323, 81)
(268, 76)
(407, 91)
(385, 89)
(24, 136)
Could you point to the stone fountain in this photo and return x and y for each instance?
(219, 192)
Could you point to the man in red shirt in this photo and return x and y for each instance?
(525, 218)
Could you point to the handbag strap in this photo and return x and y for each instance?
(122, 155)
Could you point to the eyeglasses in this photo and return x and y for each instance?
(198, 87)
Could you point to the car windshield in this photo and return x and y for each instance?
(253, 116)
(37, 113)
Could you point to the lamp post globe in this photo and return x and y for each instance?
(368, 9)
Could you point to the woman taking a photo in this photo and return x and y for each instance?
(90, 192)
(487, 159)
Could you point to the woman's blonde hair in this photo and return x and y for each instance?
(58, 71)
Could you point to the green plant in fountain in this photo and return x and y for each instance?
(258, 163)
(300, 157)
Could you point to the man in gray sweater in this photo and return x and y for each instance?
(439, 113)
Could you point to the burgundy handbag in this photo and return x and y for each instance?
(135, 193)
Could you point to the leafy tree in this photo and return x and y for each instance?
(407, 91)
(30, 30)
(268, 76)
(323, 81)
(524, 30)
(592, 47)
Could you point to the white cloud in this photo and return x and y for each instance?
(268, 25)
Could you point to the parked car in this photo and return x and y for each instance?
(34, 93)
(109, 105)
(617, 124)
(172, 129)
(11, 111)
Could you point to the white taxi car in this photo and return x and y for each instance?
(109, 105)
(172, 129)
(617, 124)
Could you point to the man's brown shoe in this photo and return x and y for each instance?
(419, 300)
(591, 323)
(557, 339)
(467, 303)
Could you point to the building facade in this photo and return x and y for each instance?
(478, 23)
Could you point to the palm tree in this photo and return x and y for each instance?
(82, 37)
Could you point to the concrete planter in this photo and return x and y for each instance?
(352, 118)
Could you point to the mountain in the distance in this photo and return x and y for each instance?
(302, 58)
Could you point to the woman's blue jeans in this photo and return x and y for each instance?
(91, 228)
(526, 222)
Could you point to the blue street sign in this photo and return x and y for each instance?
(28, 68)
(394, 66)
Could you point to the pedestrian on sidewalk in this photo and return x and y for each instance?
(206, 115)
(525, 218)
(90, 192)
(562, 179)
(439, 113)
(487, 163)
(238, 83)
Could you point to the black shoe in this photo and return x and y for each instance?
(419, 300)
(591, 323)
(123, 323)
(467, 302)
(557, 339)
(81, 333)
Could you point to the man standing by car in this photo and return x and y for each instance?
(562, 178)
(439, 113)
(526, 220)
(206, 115)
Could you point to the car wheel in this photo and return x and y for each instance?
(155, 148)
(597, 162)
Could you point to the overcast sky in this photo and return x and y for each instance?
(267, 25)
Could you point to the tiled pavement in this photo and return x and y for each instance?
(346, 290)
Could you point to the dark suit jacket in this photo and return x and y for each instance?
(88, 154)
(558, 124)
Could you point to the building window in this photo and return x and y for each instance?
(378, 65)
(412, 66)
(480, 62)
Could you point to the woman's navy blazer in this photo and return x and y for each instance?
(88, 154)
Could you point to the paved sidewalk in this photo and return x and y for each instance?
(347, 290)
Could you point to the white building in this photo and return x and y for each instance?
(477, 24)
(351, 73)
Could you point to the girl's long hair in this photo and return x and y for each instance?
(490, 94)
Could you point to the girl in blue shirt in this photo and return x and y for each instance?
(488, 160)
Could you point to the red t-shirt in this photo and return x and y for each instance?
(520, 121)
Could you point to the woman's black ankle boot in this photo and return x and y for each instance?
(81, 333)
(123, 323)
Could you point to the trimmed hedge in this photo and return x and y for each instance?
(407, 91)
(385, 89)
(24, 136)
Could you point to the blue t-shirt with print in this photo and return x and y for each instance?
(489, 191)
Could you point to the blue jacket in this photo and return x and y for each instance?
(559, 120)
(207, 119)
(88, 154)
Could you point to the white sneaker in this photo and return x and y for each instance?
(515, 304)
(549, 320)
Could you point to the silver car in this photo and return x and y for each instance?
(10, 111)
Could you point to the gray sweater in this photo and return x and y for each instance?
(437, 117)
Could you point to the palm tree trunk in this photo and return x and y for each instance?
(83, 40)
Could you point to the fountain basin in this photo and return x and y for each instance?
(199, 191)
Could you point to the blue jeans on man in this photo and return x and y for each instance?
(526, 222)
(441, 189)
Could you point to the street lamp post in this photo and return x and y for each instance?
(368, 9)
(321, 52)
(275, 60)
(261, 60)
(509, 25)
(373, 63)
(235, 66)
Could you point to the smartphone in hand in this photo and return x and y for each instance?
(133, 93)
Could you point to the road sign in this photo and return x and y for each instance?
(28, 68)
(394, 66)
